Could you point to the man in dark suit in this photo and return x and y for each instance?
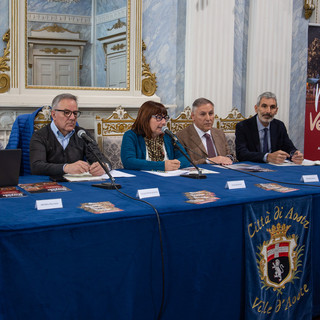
(56, 149)
(203, 143)
(263, 138)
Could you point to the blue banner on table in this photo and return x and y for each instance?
(278, 259)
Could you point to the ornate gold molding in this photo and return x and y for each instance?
(228, 124)
(55, 28)
(149, 81)
(55, 50)
(308, 8)
(42, 118)
(4, 78)
(118, 47)
(181, 122)
(117, 124)
(118, 25)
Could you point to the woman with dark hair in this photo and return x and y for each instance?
(145, 147)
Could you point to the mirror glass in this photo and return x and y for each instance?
(78, 43)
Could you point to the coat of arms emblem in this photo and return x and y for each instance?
(278, 258)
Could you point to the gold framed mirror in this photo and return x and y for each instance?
(78, 44)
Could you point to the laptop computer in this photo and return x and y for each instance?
(9, 167)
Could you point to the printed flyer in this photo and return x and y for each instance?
(99, 207)
(275, 187)
(41, 187)
(11, 192)
(200, 197)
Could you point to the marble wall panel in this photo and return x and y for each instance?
(110, 5)
(82, 7)
(4, 25)
(298, 75)
(160, 35)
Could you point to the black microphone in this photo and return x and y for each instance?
(83, 135)
(91, 144)
(198, 175)
(166, 130)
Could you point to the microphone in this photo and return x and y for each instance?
(92, 146)
(198, 175)
(166, 130)
(83, 135)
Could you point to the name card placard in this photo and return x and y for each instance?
(238, 184)
(310, 178)
(49, 204)
(148, 193)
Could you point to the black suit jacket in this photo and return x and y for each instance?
(248, 143)
(47, 157)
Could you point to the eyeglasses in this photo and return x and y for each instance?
(68, 113)
(159, 117)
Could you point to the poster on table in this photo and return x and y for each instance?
(278, 268)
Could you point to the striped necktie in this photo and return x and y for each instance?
(210, 148)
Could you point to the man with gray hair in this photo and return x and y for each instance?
(203, 143)
(56, 149)
(263, 138)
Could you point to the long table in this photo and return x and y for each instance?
(68, 263)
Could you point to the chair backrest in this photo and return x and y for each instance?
(42, 118)
(109, 134)
(181, 122)
(21, 133)
(184, 120)
(228, 125)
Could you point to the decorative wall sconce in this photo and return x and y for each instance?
(308, 8)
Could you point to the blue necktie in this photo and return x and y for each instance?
(265, 141)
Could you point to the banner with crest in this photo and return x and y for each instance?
(278, 259)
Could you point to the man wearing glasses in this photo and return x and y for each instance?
(56, 149)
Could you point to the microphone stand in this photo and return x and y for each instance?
(198, 175)
(104, 185)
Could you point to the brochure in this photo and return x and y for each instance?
(41, 187)
(200, 197)
(99, 207)
(275, 187)
(11, 192)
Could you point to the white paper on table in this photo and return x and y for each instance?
(118, 174)
(86, 176)
(306, 162)
(286, 163)
(175, 173)
(203, 171)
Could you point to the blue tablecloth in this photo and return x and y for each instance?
(72, 264)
